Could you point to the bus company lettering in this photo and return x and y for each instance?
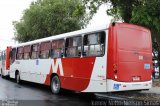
(55, 66)
(57, 63)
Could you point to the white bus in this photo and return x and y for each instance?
(103, 59)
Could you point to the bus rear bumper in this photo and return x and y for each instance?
(113, 86)
(96, 86)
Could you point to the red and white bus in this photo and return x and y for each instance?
(5, 62)
(103, 59)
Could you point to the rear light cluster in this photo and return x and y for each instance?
(115, 70)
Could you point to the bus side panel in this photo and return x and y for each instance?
(80, 74)
(8, 58)
(74, 73)
(77, 73)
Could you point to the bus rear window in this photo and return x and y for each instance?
(133, 39)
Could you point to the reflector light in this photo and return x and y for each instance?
(114, 66)
(115, 76)
(124, 85)
(115, 71)
(146, 85)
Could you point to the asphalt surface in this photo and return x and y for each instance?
(31, 94)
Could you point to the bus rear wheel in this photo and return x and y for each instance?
(55, 85)
(17, 78)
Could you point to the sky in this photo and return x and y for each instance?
(12, 10)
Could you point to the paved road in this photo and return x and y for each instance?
(31, 94)
(28, 94)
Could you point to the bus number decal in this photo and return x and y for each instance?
(147, 66)
(58, 63)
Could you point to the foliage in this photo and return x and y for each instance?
(50, 17)
(93, 5)
(119, 9)
(148, 15)
(141, 12)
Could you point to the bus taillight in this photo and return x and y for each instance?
(115, 68)
(115, 76)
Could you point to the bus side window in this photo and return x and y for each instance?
(4, 55)
(13, 55)
(27, 50)
(57, 50)
(20, 52)
(94, 44)
(0, 56)
(44, 50)
(35, 51)
(73, 46)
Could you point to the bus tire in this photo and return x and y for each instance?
(55, 85)
(17, 78)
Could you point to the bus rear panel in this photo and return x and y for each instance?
(129, 58)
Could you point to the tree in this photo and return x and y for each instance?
(148, 15)
(50, 17)
(141, 12)
(119, 9)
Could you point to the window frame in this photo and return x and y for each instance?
(52, 49)
(37, 52)
(21, 53)
(103, 51)
(43, 50)
(74, 46)
(27, 52)
(13, 54)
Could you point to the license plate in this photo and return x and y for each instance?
(136, 78)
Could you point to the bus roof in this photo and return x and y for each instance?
(74, 33)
